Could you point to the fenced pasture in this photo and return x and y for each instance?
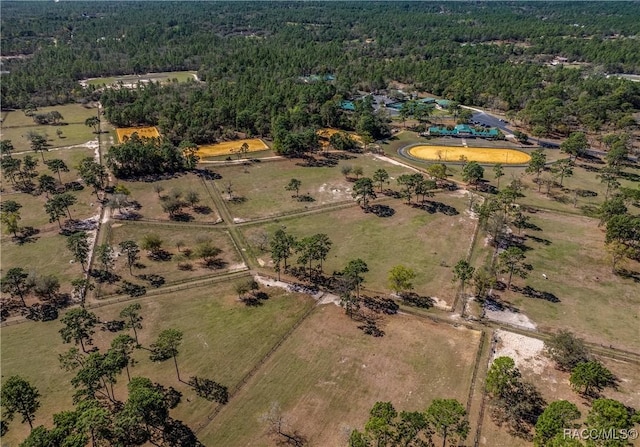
(258, 190)
(328, 375)
(593, 302)
(425, 240)
(223, 341)
(16, 126)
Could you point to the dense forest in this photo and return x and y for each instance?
(250, 57)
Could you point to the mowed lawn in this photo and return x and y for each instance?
(594, 303)
(430, 244)
(144, 193)
(223, 340)
(188, 238)
(327, 376)
(262, 185)
(16, 125)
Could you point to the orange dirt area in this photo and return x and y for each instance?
(326, 133)
(479, 154)
(231, 147)
(124, 133)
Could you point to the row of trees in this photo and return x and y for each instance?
(444, 420)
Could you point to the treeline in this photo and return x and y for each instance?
(467, 52)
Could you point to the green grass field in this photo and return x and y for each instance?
(328, 375)
(180, 76)
(428, 243)
(594, 303)
(16, 125)
(223, 340)
(263, 185)
(189, 238)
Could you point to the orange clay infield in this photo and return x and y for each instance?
(479, 154)
(231, 147)
(124, 133)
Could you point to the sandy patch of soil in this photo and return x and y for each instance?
(527, 352)
(510, 317)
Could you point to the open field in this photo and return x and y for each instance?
(132, 80)
(328, 375)
(188, 238)
(428, 243)
(223, 340)
(124, 133)
(47, 254)
(71, 113)
(32, 212)
(145, 194)
(231, 147)
(594, 303)
(16, 125)
(481, 155)
(263, 185)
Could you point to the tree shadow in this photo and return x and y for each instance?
(128, 215)
(25, 235)
(205, 210)
(207, 174)
(433, 207)
(104, 276)
(181, 217)
(415, 300)
(214, 264)
(539, 239)
(160, 255)
(530, 292)
(305, 198)
(381, 210)
(629, 274)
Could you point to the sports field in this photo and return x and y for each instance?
(479, 154)
(231, 147)
(124, 133)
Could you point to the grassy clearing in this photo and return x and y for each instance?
(32, 212)
(72, 113)
(329, 374)
(594, 303)
(144, 193)
(481, 155)
(16, 125)
(124, 133)
(180, 76)
(428, 243)
(72, 134)
(46, 255)
(188, 237)
(223, 340)
(231, 147)
(263, 185)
